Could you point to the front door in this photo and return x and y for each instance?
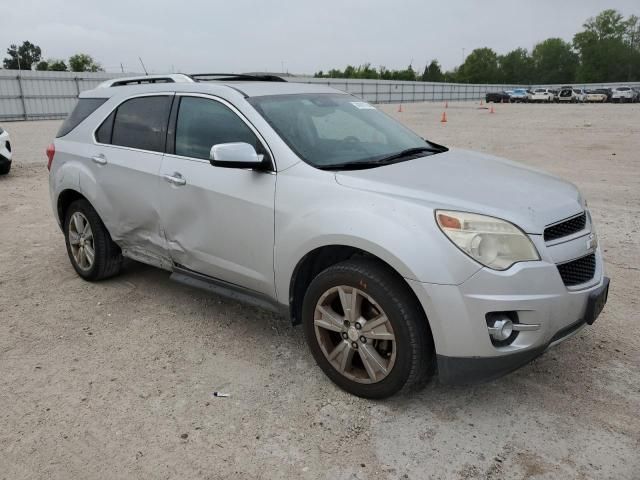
(217, 221)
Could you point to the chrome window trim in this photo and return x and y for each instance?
(214, 98)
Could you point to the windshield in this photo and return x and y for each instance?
(336, 129)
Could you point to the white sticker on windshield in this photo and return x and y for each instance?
(363, 105)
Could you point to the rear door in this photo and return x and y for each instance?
(218, 221)
(129, 145)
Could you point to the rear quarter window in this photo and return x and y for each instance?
(84, 108)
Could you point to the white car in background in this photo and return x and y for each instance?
(5, 152)
(580, 95)
(596, 96)
(541, 95)
(624, 95)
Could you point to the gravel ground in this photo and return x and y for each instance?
(114, 379)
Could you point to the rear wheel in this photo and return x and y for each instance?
(92, 253)
(4, 169)
(366, 330)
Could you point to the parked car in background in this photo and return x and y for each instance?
(567, 95)
(398, 256)
(519, 95)
(596, 96)
(541, 95)
(5, 152)
(497, 97)
(580, 95)
(624, 95)
(607, 91)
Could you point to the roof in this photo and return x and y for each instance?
(183, 83)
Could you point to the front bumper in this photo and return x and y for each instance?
(533, 290)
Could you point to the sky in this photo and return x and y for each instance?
(296, 36)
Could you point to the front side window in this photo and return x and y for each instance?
(203, 123)
(138, 123)
(334, 129)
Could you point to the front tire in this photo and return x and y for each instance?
(5, 169)
(92, 253)
(366, 330)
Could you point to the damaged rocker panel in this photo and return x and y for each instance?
(226, 289)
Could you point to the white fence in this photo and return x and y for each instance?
(32, 95)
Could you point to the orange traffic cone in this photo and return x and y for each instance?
(446, 104)
(444, 117)
(491, 110)
(400, 109)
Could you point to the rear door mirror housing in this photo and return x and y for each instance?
(236, 155)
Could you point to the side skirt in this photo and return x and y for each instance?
(229, 290)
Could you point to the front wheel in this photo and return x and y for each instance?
(365, 329)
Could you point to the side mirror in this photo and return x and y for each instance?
(235, 155)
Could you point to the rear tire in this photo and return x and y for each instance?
(374, 360)
(4, 169)
(92, 253)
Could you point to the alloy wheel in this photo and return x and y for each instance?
(355, 334)
(81, 241)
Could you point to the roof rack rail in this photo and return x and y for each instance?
(232, 77)
(145, 79)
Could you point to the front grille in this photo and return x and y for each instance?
(578, 271)
(566, 228)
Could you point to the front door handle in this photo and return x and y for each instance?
(176, 179)
(100, 159)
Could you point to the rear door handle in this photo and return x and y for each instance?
(176, 179)
(100, 159)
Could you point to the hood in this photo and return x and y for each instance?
(474, 182)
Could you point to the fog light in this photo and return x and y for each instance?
(501, 329)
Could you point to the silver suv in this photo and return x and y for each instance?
(400, 257)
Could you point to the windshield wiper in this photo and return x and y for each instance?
(408, 153)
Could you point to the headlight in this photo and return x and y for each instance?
(494, 243)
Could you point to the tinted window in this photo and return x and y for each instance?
(142, 123)
(84, 108)
(103, 134)
(204, 123)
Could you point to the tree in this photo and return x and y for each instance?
(608, 48)
(22, 57)
(481, 66)
(52, 65)
(81, 62)
(432, 72)
(57, 65)
(554, 61)
(516, 67)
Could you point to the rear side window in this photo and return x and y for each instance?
(84, 108)
(138, 123)
(203, 123)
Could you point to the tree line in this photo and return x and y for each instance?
(28, 56)
(606, 50)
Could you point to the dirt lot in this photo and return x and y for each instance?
(114, 379)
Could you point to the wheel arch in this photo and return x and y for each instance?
(320, 258)
(66, 198)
